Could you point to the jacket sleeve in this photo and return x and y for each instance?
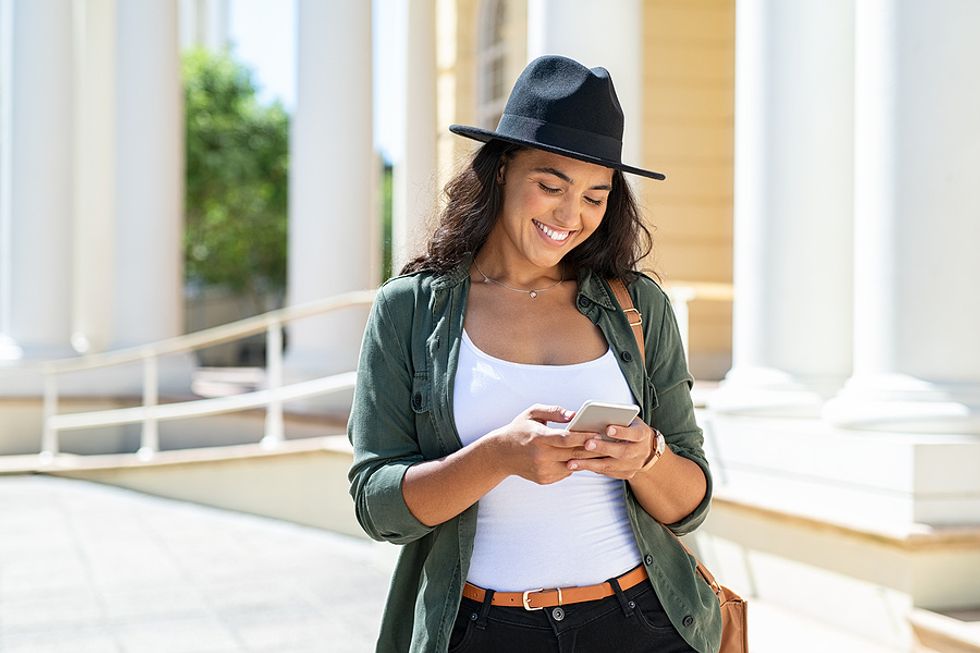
(674, 415)
(381, 430)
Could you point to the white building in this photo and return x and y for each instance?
(820, 157)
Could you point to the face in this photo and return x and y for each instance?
(551, 204)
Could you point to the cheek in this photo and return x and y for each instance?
(591, 222)
(527, 204)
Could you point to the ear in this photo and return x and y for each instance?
(501, 173)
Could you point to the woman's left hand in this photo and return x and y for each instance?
(623, 458)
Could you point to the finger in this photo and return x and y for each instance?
(604, 465)
(567, 439)
(542, 413)
(633, 433)
(619, 450)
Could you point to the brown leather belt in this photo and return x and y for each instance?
(547, 598)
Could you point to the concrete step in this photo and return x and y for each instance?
(774, 629)
(954, 631)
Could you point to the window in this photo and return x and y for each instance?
(491, 58)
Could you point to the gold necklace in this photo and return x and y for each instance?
(532, 293)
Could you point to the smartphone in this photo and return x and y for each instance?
(595, 416)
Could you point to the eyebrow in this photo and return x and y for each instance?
(561, 175)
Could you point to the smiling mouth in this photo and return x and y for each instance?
(553, 234)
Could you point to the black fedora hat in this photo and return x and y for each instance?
(560, 106)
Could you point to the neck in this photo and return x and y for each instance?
(510, 267)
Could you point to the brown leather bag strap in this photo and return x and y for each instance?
(636, 321)
(632, 315)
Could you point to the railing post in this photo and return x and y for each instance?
(680, 299)
(49, 437)
(150, 440)
(273, 374)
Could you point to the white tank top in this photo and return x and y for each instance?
(573, 532)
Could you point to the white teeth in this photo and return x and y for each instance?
(551, 233)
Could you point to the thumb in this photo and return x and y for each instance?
(543, 413)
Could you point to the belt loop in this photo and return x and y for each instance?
(623, 603)
(481, 622)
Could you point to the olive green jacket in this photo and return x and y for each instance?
(402, 414)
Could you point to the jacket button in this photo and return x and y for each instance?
(584, 301)
(688, 621)
(417, 400)
(626, 356)
(648, 559)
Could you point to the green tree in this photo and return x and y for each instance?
(237, 155)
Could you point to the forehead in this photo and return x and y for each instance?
(579, 171)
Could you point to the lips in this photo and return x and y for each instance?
(554, 235)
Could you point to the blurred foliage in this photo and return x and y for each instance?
(386, 205)
(237, 158)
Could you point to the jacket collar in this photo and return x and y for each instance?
(590, 285)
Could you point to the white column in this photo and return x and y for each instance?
(36, 179)
(205, 24)
(148, 297)
(332, 216)
(793, 206)
(581, 29)
(414, 198)
(95, 174)
(917, 308)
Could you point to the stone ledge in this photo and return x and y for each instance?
(956, 631)
(916, 537)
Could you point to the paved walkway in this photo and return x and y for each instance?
(89, 568)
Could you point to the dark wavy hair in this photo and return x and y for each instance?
(474, 200)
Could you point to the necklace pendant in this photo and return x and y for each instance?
(533, 294)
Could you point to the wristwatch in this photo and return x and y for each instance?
(658, 451)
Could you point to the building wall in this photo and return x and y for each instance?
(688, 109)
(456, 57)
(687, 130)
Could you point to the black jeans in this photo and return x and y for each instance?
(631, 621)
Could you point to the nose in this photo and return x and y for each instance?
(564, 213)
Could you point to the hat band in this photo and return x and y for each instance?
(567, 138)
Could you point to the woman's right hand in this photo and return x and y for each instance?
(529, 448)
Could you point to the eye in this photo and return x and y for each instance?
(549, 189)
(594, 202)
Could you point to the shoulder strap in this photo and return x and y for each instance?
(632, 315)
(636, 321)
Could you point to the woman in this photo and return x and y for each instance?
(474, 359)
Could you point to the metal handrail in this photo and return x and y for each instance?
(273, 396)
(150, 412)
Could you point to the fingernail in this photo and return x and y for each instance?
(566, 413)
(611, 431)
(573, 466)
(590, 445)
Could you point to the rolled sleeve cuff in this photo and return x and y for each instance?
(700, 513)
(388, 513)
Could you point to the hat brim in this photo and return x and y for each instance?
(485, 135)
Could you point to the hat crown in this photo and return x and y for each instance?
(560, 106)
(562, 92)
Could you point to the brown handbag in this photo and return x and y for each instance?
(734, 628)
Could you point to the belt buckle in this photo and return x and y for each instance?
(528, 606)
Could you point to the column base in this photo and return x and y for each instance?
(767, 391)
(9, 349)
(174, 375)
(898, 402)
(807, 515)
